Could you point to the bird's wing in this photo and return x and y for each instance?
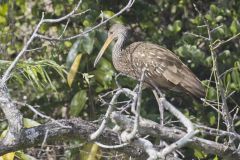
(165, 68)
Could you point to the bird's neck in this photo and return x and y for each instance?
(118, 57)
(119, 46)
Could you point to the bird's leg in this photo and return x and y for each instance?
(160, 106)
(133, 106)
(136, 103)
(158, 94)
(161, 111)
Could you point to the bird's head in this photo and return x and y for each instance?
(115, 32)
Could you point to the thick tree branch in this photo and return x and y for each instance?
(147, 127)
(13, 116)
(81, 129)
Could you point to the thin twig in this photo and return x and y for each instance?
(197, 35)
(225, 41)
(129, 5)
(216, 132)
(34, 49)
(65, 27)
(45, 138)
(111, 147)
(213, 107)
(64, 17)
(225, 111)
(107, 115)
(40, 114)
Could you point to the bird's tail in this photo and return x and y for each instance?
(193, 85)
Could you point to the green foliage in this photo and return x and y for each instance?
(78, 102)
(37, 72)
(28, 123)
(199, 154)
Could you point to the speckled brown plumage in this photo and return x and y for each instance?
(162, 67)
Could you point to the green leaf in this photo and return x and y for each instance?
(58, 9)
(177, 26)
(236, 77)
(108, 14)
(212, 94)
(3, 134)
(22, 156)
(31, 74)
(213, 8)
(28, 123)
(78, 102)
(216, 158)
(237, 124)
(8, 156)
(41, 73)
(68, 44)
(191, 51)
(87, 42)
(199, 154)
(90, 152)
(234, 27)
(212, 118)
(104, 73)
(86, 23)
(227, 79)
(72, 54)
(4, 9)
(73, 70)
(3, 20)
(218, 19)
(87, 77)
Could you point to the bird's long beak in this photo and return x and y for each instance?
(104, 47)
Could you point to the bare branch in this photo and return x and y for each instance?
(216, 132)
(196, 35)
(225, 41)
(40, 114)
(13, 116)
(147, 127)
(185, 121)
(225, 111)
(64, 17)
(129, 5)
(107, 115)
(111, 147)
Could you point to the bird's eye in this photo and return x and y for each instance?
(111, 32)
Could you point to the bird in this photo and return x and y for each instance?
(162, 68)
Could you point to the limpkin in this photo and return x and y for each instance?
(162, 67)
